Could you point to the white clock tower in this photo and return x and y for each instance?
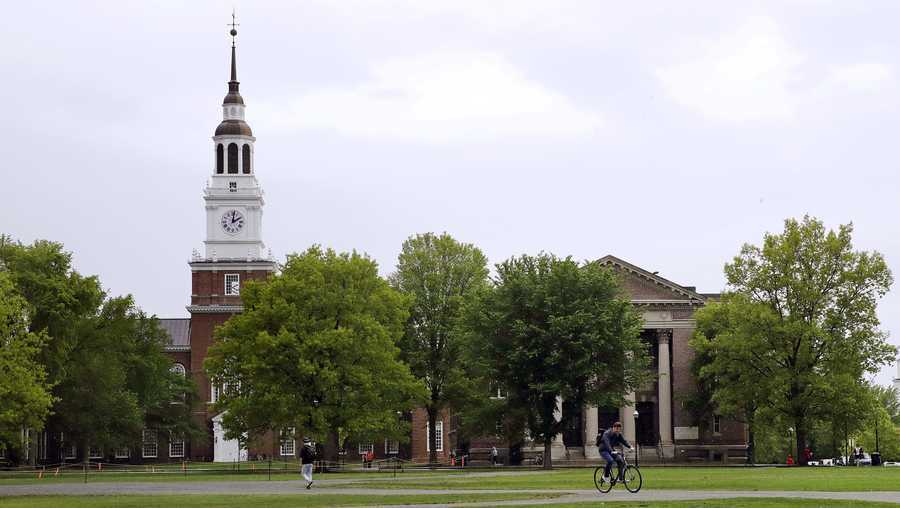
(234, 199)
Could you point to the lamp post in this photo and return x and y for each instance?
(790, 440)
(637, 444)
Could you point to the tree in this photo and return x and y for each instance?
(25, 398)
(800, 319)
(103, 356)
(315, 350)
(438, 273)
(551, 328)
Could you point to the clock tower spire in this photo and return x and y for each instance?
(234, 199)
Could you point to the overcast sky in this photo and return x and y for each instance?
(667, 134)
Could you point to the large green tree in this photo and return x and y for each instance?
(315, 349)
(103, 356)
(438, 273)
(552, 328)
(798, 321)
(25, 398)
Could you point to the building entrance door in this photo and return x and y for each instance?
(226, 450)
(573, 435)
(645, 432)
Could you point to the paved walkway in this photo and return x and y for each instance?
(322, 487)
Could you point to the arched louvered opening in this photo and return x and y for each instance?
(246, 160)
(232, 158)
(220, 158)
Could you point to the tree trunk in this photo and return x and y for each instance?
(801, 441)
(548, 455)
(432, 435)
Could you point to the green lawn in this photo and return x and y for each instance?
(269, 501)
(31, 477)
(277, 501)
(686, 478)
(736, 502)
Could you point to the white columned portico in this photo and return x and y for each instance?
(558, 447)
(665, 394)
(626, 416)
(590, 433)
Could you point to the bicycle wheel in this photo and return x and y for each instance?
(601, 485)
(633, 479)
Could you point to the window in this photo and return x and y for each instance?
(70, 452)
(366, 448)
(497, 391)
(246, 159)
(122, 453)
(42, 446)
(179, 369)
(391, 447)
(232, 284)
(232, 158)
(438, 436)
(232, 186)
(95, 452)
(220, 159)
(150, 446)
(717, 424)
(214, 393)
(176, 447)
(288, 444)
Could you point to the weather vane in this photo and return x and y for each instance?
(233, 26)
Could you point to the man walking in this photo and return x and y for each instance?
(307, 457)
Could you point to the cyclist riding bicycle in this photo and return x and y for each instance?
(607, 442)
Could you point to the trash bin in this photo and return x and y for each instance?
(876, 459)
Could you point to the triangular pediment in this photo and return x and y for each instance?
(643, 286)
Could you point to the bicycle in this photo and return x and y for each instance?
(630, 477)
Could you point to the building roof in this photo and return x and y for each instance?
(179, 332)
(233, 128)
(688, 292)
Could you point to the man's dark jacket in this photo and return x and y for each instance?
(609, 439)
(307, 455)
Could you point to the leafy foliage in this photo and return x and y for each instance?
(24, 391)
(315, 350)
(797, 330)
(438, 273)
(552, 328)
(103, 356)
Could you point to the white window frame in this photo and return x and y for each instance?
(179, 368)
(391, 447)
(234, 287)
(438, 438)
(122, 453)
(288, 443)
(365, 448)
(717, 424)
(174, 445)
(214, 389)
(149, 439)
(95, 452)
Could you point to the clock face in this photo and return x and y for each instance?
(232, 222)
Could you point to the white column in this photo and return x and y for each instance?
(665, 394)
(558, 447)
(626, 416)
(590, 433)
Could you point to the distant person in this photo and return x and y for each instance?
(607, 443)
(494, 455)
(790, 460)
(307, 457)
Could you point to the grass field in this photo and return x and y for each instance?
(685, 478)
(350, 500)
